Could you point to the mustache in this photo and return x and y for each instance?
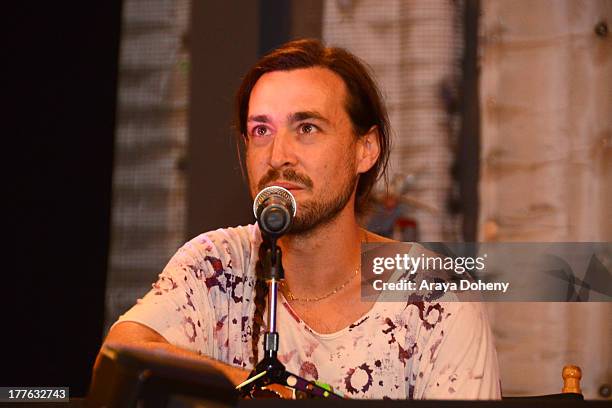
(289, 175)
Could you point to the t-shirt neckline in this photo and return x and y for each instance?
(333, 335)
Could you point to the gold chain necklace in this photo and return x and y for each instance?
(291, 297)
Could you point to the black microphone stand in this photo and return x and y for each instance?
(270, 370)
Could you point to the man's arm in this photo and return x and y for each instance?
(132, 333)
(459, 360)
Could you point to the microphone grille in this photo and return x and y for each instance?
(281, 192)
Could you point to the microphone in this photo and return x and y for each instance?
(274, 208)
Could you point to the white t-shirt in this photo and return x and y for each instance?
(203, 301)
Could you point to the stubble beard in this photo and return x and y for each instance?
(318, 211)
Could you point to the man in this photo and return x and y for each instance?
(313, 122)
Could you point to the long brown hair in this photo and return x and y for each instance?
(261, 291)
(363, 104)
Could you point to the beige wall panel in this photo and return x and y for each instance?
(546, 102)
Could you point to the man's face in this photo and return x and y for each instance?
(299, 136)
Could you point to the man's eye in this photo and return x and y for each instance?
(259, 131)
(307, 128)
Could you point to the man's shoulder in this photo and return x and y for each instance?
(222, 248)
(216, 255)
(242, 235)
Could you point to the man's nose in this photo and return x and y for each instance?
(283, 150)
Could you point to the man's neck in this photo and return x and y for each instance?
(317, 262)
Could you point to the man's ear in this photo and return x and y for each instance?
(368, 150)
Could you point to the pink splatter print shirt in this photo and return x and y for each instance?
(203, 301)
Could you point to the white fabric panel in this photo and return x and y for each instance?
(414, 47)
(148, 213)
